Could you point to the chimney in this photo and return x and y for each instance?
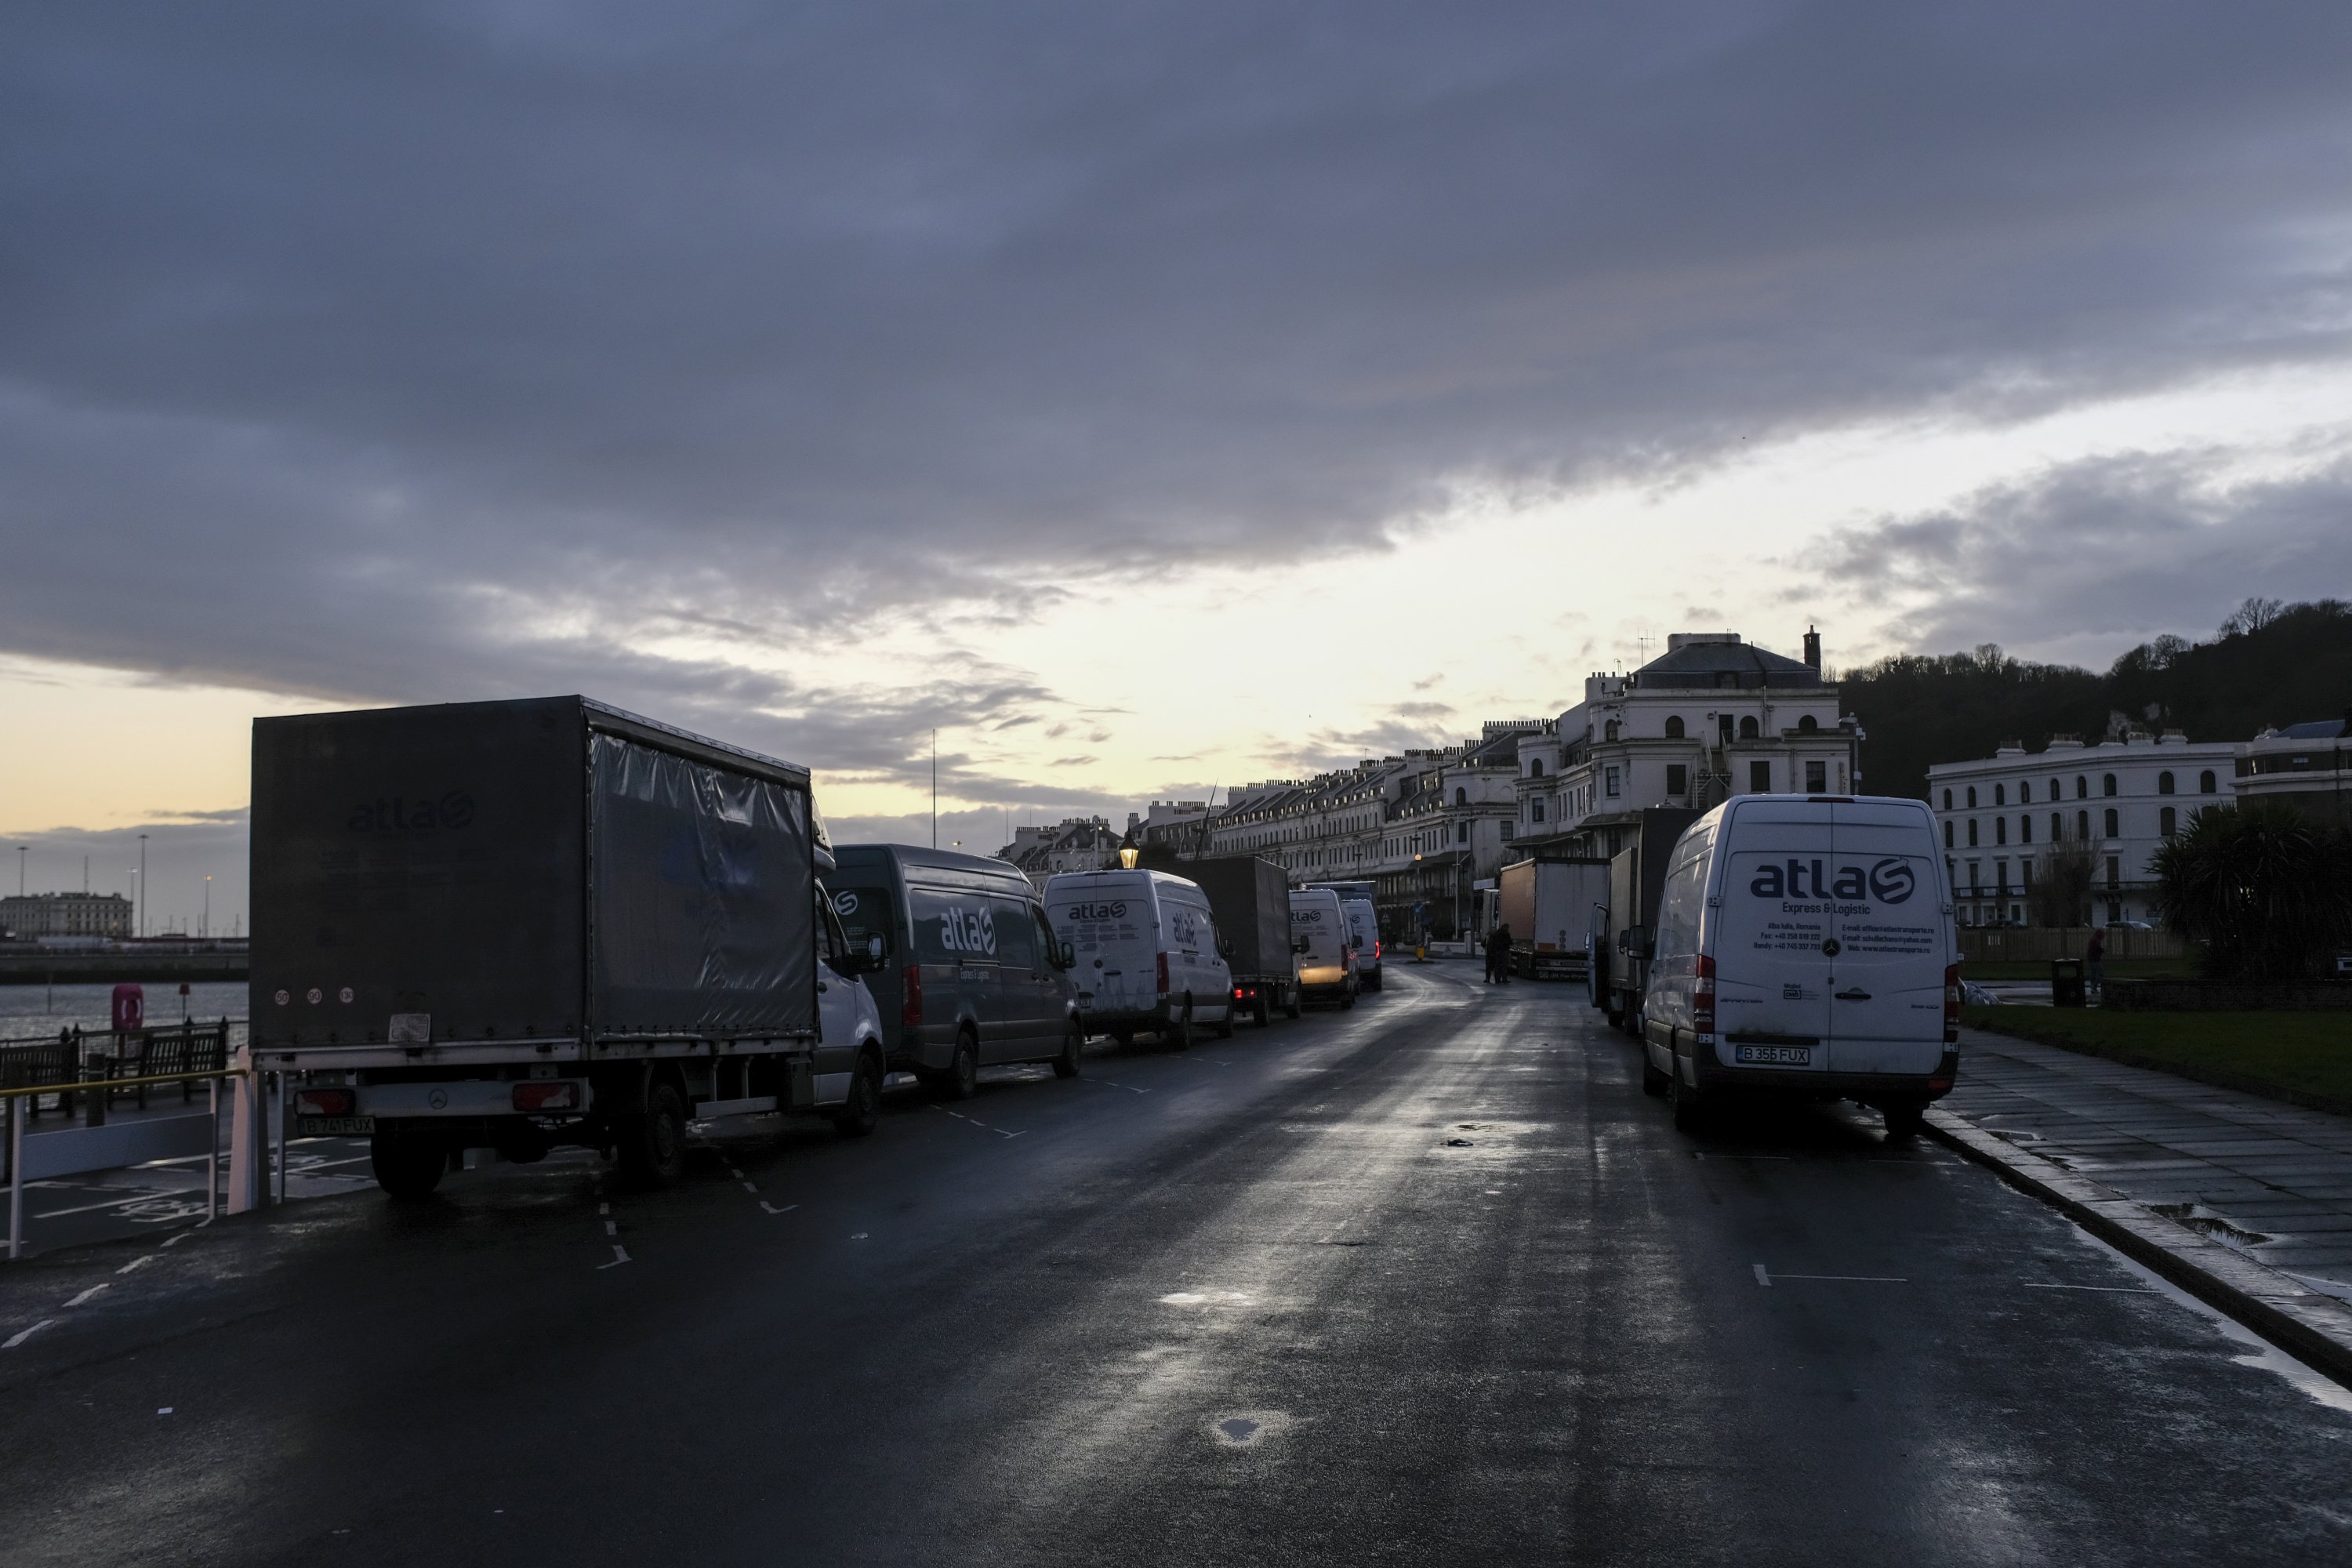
(1812, 651)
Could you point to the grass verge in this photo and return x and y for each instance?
(2117, 969)
(2303, 1058)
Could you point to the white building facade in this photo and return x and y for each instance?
(2000, 817)
(32, 915)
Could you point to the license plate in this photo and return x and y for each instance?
(334, 1126)
(1775, 1056)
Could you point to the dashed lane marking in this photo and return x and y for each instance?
(612, 1227)
(2106, 1290)
(749, 1188)
(620, 1256)
(21, 1335)
(139, 1262)
(101, 1285)
(1761, 1277)
(773, 1209)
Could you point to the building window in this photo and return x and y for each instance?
(2205, 785)
(2025, 828)
(1535, 768)
(2057, 826)
(2163, 784)
(2081, 787)
(1675, 727)
(2107, 784)
(2083, 826)
(2025, 791)
(1747, 728)
(1535, 808)
(1807, 724)
(1976, 877)
(2000, 830)
(1609, 732)
(1973, 832)
(2056, 791)
(1759, 777)
(2000, 877)
(1972, 797)
(2115, 873)
(1461, 833)
(1817, 777)
(1678, 779)
(2001, 795)
(1461, 797)
(2114, 830)
(2165, 821)
(1947, 800)
(1947, 835)
(1609, 778)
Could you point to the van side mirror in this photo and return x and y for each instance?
(1634, 942)
(1299, 944)
(873, 953)
(1069, 956)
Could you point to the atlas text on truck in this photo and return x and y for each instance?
(515, 925)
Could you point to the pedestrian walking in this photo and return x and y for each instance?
(2095, 960)
(1498, 956)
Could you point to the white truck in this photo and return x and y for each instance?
(1553, 907)
(515, 925)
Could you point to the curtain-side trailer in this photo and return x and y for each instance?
(1552, 906)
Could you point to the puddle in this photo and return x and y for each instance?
(1459, 1143)
(1238, 1431)
(1248, 1428)
(2205, 1222)
(1206, 1298)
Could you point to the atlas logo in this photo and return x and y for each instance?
(1890, 880)
(1114, 910)
(968, 930)
(398, 814)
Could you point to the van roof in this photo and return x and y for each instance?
(1121, 874)
(1887, 810)
(907, 855)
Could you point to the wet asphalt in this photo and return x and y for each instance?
(1429, 1280)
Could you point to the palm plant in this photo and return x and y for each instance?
(2266, 891)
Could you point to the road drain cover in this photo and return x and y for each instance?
(1238, 1431)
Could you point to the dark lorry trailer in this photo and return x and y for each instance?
(522, 925)
(1249, 899)
(1637, 879)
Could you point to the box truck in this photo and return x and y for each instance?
(1553, 907)
(515, 925)
(1251, 901)
(1637, 875)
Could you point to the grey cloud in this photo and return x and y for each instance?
(377, 353)
(2098, 554)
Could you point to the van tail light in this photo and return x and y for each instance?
(324, 1103)
(1952, 1003)
(1376, 950)
(535, 1097)
(1237, 995)
(910, 1011)
(1163, 975)
(1703, 997)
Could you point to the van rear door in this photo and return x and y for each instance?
(1110, 925)
(1772, 973)
(1887, 1007)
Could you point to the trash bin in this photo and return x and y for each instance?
(2066, 982)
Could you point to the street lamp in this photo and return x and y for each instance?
(140, 919)
(20, 869)
(206, 928)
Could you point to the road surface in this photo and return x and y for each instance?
(1427, 1281)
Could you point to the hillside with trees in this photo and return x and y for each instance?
(2270, 664)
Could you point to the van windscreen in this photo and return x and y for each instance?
(865, 912)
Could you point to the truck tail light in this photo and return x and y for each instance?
(1237, 995)
(537, 1097)
(910, 1012)
(324, 1103)
(1163, 975)
(1703, 997)
(1952, 1003)
(1376, 950)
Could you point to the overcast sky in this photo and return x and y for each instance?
(1149, 398)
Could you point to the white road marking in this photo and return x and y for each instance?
(1849, 1279)
(773, 1209)
(101, 1285)
(1762, 1277)
(139, 1262)
(620, 1256)
(183, 1236)
(612, 1227)
(734, 1173)
(603, 1208)
(163, 1410)
(2108, 1289)
(21, 1335)
(92, 1208)
(749, 1188)
(857, 1236)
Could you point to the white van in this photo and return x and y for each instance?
(1363, 928)
(1805, 946)
(1326, 961)
(1148, 954)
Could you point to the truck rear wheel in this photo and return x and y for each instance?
(406, 1166)
(653, 1140)
(862, 1112)
(1291, 1009)
(1261, 1012)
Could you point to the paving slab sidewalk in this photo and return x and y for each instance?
(2243, 1201)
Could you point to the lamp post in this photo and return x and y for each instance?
(206, 929)
(139, 917)
(20, 869)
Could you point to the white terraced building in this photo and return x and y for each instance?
(1999, 816)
